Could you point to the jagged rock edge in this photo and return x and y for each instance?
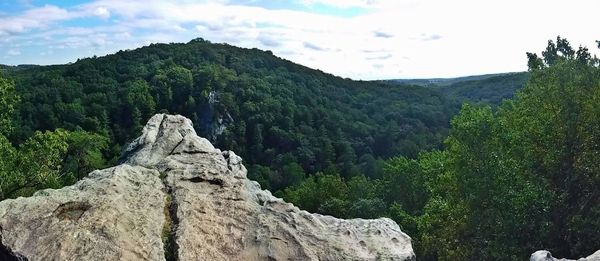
(7, 254)
(142, 152)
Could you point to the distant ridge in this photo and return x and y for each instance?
(427, 82)
(486, 88)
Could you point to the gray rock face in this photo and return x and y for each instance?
(544, 255)
(177, 197)
(114, 214)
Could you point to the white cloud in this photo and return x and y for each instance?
(26, 3)
(442, 38)
(382, 34)
(32, 19)
(341, 3)
(14, 52)
(268, 40)
(102, 12)
(358, 3)
(432, 37)
(313, 46)
(380, 57)
(123, 36)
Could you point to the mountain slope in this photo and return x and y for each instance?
(285, 119)
(433, 82)
(489, 88)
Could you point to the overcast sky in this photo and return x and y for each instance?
(359, 39)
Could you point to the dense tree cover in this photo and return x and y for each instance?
(287, 121)
(483, 89)
(524, 173)
(511, 180)
(443, 82)
(490, 90)
(46, 159)
(8, 100)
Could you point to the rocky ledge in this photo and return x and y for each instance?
(545, 255)
(176, 197)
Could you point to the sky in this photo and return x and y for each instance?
(358, 39)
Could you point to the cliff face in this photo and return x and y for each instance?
(176, 197)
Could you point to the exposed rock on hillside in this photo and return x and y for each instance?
(544, 255)
(114, 214)
(176, 197)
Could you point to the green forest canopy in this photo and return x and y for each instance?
(287, 121)
(506, 181)
(485, 89)
(511, 180)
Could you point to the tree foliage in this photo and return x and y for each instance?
(8, 100)
(508, 180)
(287, 121)
(511, 180)
(521, 177)
(49, 159)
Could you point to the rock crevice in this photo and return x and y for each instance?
(170, 226)
(176, 197)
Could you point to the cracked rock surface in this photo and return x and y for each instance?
(113, 214)
(174, 188)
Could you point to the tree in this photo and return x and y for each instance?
(139, 97)
(554, 128)
(8, 100)
(321, 193)
(49, 159)
(180, 81)
(292, 174)
(403, 183)
(36, 165)
(136, 121)
(162, 91)
(84, 154)
(522, 177)
(8, 155)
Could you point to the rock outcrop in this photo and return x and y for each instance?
(545, 255)
(114, 214)
(176, 197)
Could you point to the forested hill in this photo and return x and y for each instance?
(509, 179)
(286, 120)
(485, 89)
(437, 82)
